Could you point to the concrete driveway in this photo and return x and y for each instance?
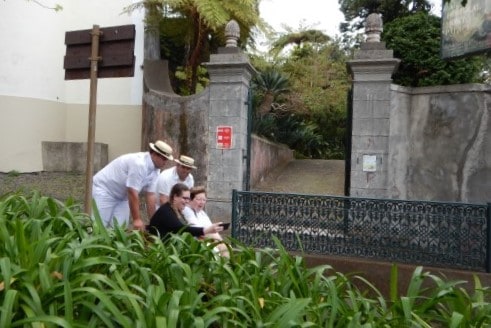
(306, 176)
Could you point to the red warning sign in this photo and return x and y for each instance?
(224, 137)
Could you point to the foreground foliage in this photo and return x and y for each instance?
(60, 269)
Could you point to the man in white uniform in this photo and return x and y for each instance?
(117, 186)
(179, 173)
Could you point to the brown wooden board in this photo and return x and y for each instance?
(111, 55)
(79, 74)
(113, 33)
(116, 52)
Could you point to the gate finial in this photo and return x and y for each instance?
(373, 27)
(232, 33)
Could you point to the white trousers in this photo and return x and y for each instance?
(110, 208)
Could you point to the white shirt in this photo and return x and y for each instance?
(134, 170)
(198, 219)
(168, 178)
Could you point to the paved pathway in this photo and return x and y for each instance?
(307, 176)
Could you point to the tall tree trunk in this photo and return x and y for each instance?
(151, 44)
(193, 61)
(151, 40)
(265, 106)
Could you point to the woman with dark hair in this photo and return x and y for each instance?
(169, 218)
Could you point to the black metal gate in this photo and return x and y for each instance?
(247, 156)
(347, 154)
(442, 234)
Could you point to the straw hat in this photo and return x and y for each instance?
(162, 149)
(185, 161)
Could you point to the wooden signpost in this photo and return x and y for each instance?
(98, 53)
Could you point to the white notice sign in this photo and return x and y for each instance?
(369, 163)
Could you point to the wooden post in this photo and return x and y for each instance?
(94, 59)
(117, 43)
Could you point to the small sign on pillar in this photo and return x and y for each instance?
(369, 163)
(224, 137)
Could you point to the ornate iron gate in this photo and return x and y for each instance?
(450, 235)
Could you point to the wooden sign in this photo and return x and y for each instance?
(93, 54)
(116, 53)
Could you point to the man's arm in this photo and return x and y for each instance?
(134, 202)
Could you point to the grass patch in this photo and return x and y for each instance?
(13, 174)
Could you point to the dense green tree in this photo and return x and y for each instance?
(415, 39)
(299, 38)
(199, 22)
(356, 11)
(269, 85)
(311, 117)
(320, 83)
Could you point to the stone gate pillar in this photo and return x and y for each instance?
(230, 74)
(371, 70)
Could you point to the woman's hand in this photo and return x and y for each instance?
(214, 228)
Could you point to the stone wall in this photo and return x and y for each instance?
(182, 122)
(380, 273)
(190, 125)
(72, 156)
(265, 156)
(431, 143)
(440, 143)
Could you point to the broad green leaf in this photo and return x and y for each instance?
(41, 320)
(456, 320)
(106, 302)
(288, 312)
(8, 308)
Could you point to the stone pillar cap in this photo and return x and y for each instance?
(373, 27)
(232, 33)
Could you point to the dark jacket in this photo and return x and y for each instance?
(166, 220)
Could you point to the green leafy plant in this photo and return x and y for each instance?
(61, 268)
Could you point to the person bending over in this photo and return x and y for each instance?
(169, 219)
(116, 187)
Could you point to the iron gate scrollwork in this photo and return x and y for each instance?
(450, 235)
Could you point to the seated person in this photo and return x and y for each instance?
(196, 216)
(169, 219)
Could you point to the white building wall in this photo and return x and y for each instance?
(37, 104)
